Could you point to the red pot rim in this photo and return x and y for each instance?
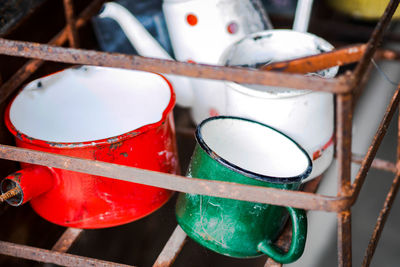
(106, 141)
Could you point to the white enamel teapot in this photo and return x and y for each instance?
(200, 30)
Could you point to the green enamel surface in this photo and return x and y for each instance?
(233, 227)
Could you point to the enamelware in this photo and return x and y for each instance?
(106, 114)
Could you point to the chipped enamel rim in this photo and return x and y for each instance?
(105, 141)
(266, 178)
(285, 92)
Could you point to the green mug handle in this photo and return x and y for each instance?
(299, 233)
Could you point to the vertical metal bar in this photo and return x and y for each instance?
(71, 25)
(344, 119)
(380, 223)
(384, 213)
(373, 42)
(172, 248)
(379, 164)
(68, 238)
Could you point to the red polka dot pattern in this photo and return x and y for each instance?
(232, 28)
(191, 19)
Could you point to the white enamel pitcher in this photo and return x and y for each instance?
(199, 30)
(304, 115)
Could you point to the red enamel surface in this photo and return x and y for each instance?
(191, 19)
(33, 181)
(88, 201)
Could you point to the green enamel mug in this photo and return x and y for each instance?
(247, 152)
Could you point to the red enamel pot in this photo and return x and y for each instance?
(106, 114)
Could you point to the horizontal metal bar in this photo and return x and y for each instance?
(48, 256)
(258, 194)
(379, 164)
(338, 57)
(71, 25)
(172, 248)
(387, 54)
(235, 74)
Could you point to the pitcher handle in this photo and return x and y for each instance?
(299, 233)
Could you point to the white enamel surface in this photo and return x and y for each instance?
(206, 41)
(89, 103)
(305, 116)
(147, 46)
(254, 147)
(302, 16)
(272, 46)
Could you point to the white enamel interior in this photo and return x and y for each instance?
(254, 147)
(89, 103)
(273, 46)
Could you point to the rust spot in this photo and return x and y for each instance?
(112, 140)
(124, 154)
(213, 155)
(116, 145)
(19, 136)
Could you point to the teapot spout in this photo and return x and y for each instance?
(137, 35)
(146, 45)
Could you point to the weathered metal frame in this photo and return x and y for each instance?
(345, 87)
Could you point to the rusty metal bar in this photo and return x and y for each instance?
(258, 194)
(48, 256)
(71, 25)
(374, 42)
(380, 223)
(172, 248)
(384, 213)
(236, 74)
(371, 153)
(387, 54)
(68, 238)
(31, 66)
(379, 164)
(338, 57)
(343, 134)
(285, 238)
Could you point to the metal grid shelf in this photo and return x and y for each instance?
(346, 87)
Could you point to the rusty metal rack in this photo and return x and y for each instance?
(346, 88)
